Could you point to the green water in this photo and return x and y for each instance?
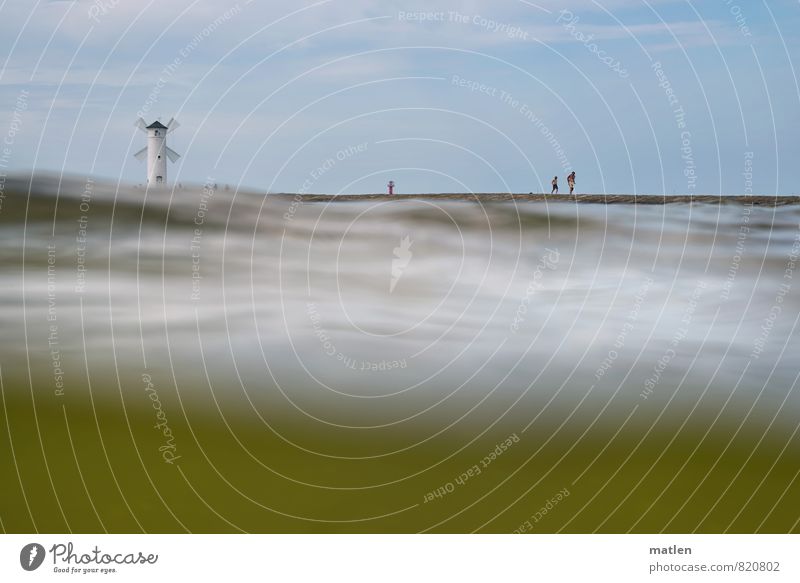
(83, 466)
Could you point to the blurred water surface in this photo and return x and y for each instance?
(379, 347)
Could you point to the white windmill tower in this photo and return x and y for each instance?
(156, 150)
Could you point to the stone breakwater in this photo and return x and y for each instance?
(755, 200)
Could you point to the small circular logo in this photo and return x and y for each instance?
(31, 556)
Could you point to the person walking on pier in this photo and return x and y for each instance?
(571, 182)
(555, 185)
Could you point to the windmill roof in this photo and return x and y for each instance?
(157, 125)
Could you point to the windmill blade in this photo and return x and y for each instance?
(141, 124)
(141, 154)
(172, 125)
(172, 155)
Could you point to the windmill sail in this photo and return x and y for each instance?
(141, 154)
(172, 155)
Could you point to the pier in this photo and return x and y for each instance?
(648, 199)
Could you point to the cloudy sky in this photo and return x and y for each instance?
(647, 96)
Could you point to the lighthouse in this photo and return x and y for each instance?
(156, 150)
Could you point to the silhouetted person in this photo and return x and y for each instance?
(555, 185)
(571, 182)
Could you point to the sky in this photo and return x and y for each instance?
(341, 96)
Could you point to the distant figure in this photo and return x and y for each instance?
(571, 182)
(555, 185)
(391, 187)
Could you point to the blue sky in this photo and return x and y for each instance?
(343, 95)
